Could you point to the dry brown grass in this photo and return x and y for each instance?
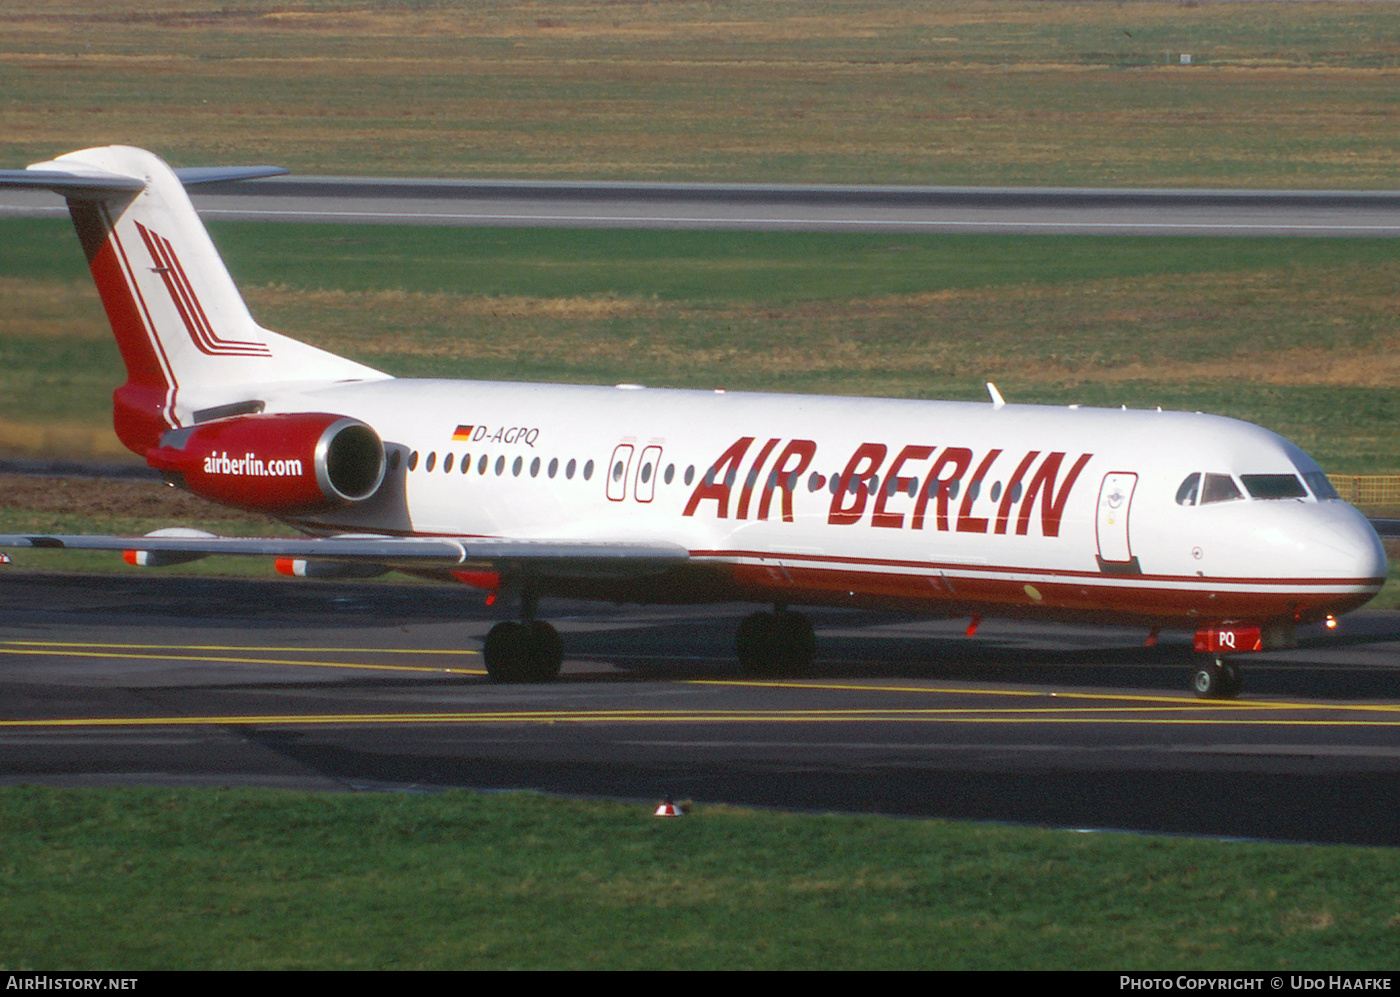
(47, 497)
(446, 307)
(958, 92)
(1302, 329)
(73, 440)
(52, 309)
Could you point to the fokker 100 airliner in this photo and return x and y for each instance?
(1153, 519)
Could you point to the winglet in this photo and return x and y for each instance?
(997, 400)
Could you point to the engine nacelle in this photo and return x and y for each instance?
(279, 463)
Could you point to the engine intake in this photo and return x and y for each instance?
(280, 463)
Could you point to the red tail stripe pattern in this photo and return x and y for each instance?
(186, 302)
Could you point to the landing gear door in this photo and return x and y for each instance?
(618, 468)
(1111, 523)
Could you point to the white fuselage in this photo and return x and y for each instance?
(1034, 510)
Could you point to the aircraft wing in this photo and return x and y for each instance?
(562, 557)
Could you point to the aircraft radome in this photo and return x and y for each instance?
(1147, 518)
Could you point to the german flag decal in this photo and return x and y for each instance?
(462, 434)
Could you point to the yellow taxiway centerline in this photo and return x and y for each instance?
(640, 716)
(1205, 704)
(228, 660)
(236, 647)
(1145, 703)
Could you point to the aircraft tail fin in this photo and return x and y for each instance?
(192, 350)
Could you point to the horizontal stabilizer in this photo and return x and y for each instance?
(78, 184)
(192, 176)
(90, 184)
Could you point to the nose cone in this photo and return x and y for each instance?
(1344, 554)
(1326, 554)
(1347, 540)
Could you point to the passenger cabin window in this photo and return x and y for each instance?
(1273, 486)
(1220, 488)
(1189, 490)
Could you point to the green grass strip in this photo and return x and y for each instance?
(219, 879)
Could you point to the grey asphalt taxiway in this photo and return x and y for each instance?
(184, 681)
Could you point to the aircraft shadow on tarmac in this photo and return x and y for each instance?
(680, 643)
(855, 645)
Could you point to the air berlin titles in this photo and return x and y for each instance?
(917, 486)
(217, 463)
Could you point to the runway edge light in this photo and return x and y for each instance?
(667, 808)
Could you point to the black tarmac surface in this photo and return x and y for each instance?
(184, 681)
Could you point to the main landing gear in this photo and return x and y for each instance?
(1218, 679)
(777, 644)
(527, 651)
(523, 652)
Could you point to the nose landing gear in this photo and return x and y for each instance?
(1219, 679)
(1222, 678)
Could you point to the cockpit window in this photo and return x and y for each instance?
(1321, 487)
(1186, 494)
(1220, 488)
(1273, 486)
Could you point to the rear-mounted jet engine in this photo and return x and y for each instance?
(279, 463)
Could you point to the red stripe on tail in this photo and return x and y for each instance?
(140, 407)
(197, 324)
